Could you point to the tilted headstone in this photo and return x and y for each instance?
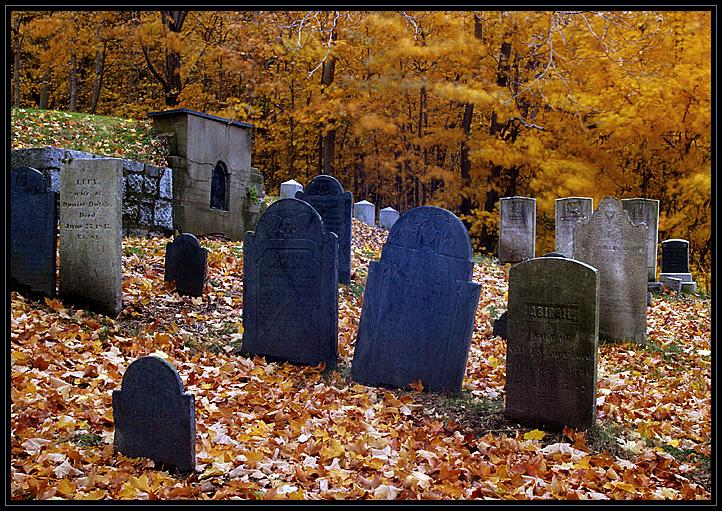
(153, 417)
(675, 265)
(500, 326)
(328, 197)
(618, 250)
(91, 212)
(419, 305)
(551, 349)
(646, 211)
(186, 264)
(517, 229)
(289, 188)
(290, 289)
(388, 217)
(33, 226)
(569, 211)
(365, 211)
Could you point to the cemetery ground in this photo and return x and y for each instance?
(278, 431)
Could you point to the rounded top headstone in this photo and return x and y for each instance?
(434, 229)
(187, 240)
(676, 240)
(324, 185)
(149, 374)
(28, 180)
(519, 197)
(554, 254)
(289, 218)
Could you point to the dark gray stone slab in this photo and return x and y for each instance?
(290, 289)
(568, 212)
(33, 233)
(646, 211)
(153, 417)
(551, 357)
(186, 263)
(328, 197)
(675, 256)
(500, 326)
(419, 305)
(517, 229)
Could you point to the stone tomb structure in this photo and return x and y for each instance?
(33, 237)
(617, 248)
(646, 211)
(215, 188)
(91, 212)
(675, 265)
(568, 212)
(365, 211)
(388, 217)
(419, 305)
(333, 203)
(517, 229)
(551, 350)
(186, 264)
(153, 417)
(290, 288)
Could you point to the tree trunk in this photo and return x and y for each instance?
(328, 140)
(17, 61)
(45, 90)
(99, 70)
(73, 80)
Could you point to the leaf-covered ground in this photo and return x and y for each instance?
(277, 431)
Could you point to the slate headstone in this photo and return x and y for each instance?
(388, 217)
(186, 263)
(500, 326)
(675, 256)
(517, 229)
(551, 357)
(33, 226)
(333, 203)
(91, 212)
(290, 291)
(289, 188)
(419, 305)
(646, 211)
(365, 211)
(569, 211)
(617, 248)
(153, 417)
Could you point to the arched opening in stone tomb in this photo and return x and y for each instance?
(219, 187)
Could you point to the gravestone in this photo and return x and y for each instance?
(517, 229)
(153, 417)
(569, 211)
(328, 197)
(91, 212)
(33, 226)
(618, 250)
(419, 305)
(500, 326)
(365, 211)
(290, 188)
(186, 263)
(388, 217)
(551, 350)
(675, 265)
(646, 211)
(290, 290)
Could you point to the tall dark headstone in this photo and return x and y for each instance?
(290, 289)
(33, 226)
(328, 197)
(153, 417)
(419, 305)
(186, 263)
(675, 256)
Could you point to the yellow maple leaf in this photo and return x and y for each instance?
(140, 482)
(66, 487)
(534, 434)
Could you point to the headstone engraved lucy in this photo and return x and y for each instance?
(517, 229)
(153, 417)
(646, 211)
(91, 233)
(551, 349)
(289, 188)
(675, 265)
(618, 250)
(569, 211)
(365, 211)
(290, 290)
(328, 197)
(388, 217)
(33, 226)
(419, 304)
(186, 264)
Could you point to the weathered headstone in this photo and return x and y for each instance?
(618, 250)
(646, 211)
(328, 197)
(91, 212)
(186, 264)
(569, 211)
(551, 351)
(365, 211)
(500, 326)
(33, 226)
(675, 265)
(388, 217)
(153, 417)
(289, 188)
(517, 229)
(419, 305)
(290, 291)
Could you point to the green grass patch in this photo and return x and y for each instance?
(86, 439)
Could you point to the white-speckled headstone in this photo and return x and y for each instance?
(517, 229)
(289, 189)
(365, 211)
(388, 217)
(569, 211)
(646, 211)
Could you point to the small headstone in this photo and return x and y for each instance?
(365, 211)
(569, 211)
(186, 264)
(290, 289)
(333, 203)
(646, 211)
(289, 188)
(675, 266)
(388, 217)
(91, 229)
(33, 226)
(517, 229)
(551, 351)
(500, 326)
(153, 417)
(618, 250)
(419, 305)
